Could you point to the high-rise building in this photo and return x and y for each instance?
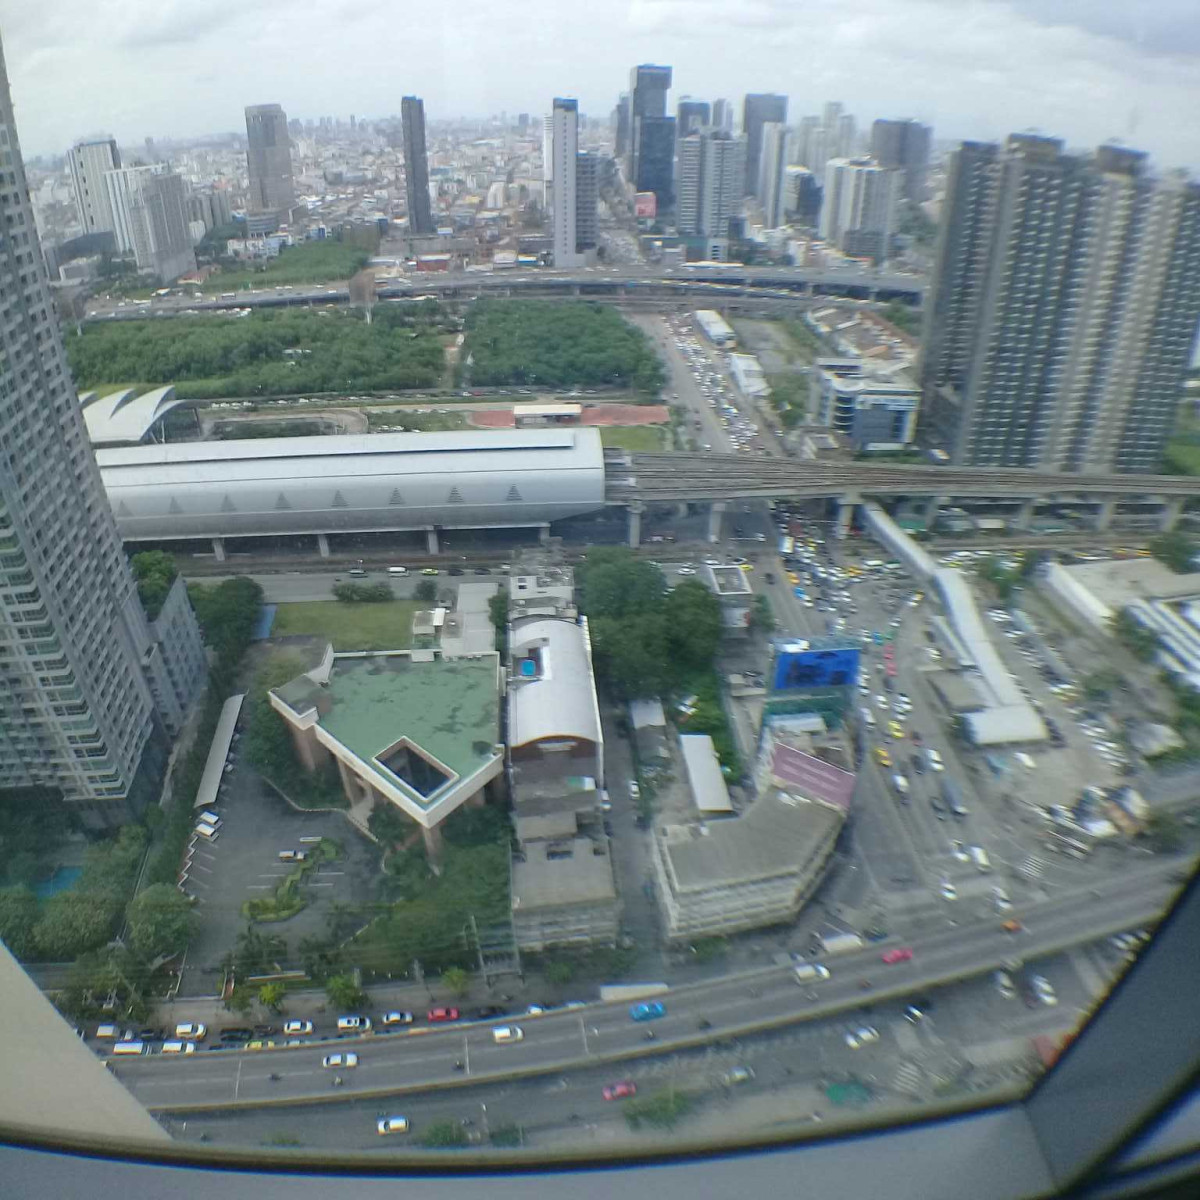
(656, 159)
(269, 161)
(712, 167)
(858, 209)
(809, 146)
(904, 146)
(621, 121)
(772, 174)
(149, 208)
(1063, 307)
(416, 167)
(547, 161)
(802, 201)
(587, 192)
(758, 109)
(564, 155)
(691, 115)
(648, 88)
(88, 163)
(722, 115)
(76, 710)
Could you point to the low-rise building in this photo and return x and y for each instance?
(416, 730)
(872, 411)
(749, 377)
(715, 328)
(563, 894)
(731, 585)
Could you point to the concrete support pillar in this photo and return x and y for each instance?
(433, 845)
(323, 545)
(544, 533)
(635, 525)
(681, 509)
(845, 515)
(932, 505)
(1023, 517)
(349, 785)
(1104, 514)
(715, 513)
(219, 549)
(1172, 511)
(431, 539)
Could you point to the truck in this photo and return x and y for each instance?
(952, 795)
(838, 943)
(610, 992)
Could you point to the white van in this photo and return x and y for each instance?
(206, 831)
(507, 1033)
(901, 786)
(980, 858)
(868, 717)
(808, 972)
(179, 1047)
(208, 817)
(129, 1048)
(397, 570)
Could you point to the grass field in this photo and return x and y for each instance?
(632, 437)
(309, 262)
(349, 626)
(1182, 456)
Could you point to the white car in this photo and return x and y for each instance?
(948, 890)
(1004, 984)
(881, 702)
(191, 1031)
(1045, 990)
(297, 1027)
(934, 759)
(685, 571)
(353, 1024)
(960, 852)
(1000, 896)
(861, 1037)
(503, 1034)
(392, 1125)
(395, 1018)
(340, 1060)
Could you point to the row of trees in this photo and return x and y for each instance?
(206, 357)
(540, 343)
(155, 572)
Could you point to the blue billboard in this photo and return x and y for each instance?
(808, 664)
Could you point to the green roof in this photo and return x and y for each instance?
(449, 708)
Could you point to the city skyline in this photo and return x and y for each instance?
(981, 87)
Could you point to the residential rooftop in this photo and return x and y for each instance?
(562, 873)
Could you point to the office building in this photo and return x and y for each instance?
(759, 109)
(691, 115)
(648, 87)
(269, 162)
(771, 190)
(564, 153)
(858, 208)
(656, 159)
(903, 146)
(416, 167)
(871, 409)
(712, 168)
(802, 196)
(1063, 307)
(88, 163)
(722, 115)
(149, 207)
(621, 121)
(76, 710)
(845, 136)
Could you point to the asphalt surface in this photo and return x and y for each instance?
(560, 1038)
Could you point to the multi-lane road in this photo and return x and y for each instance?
(429, 1056)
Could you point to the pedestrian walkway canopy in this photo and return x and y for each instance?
(218, 753)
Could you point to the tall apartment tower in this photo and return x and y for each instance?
(858, 209)
(149, 207)
(712, 167)
(416, 167)
(269, 161)
(759, 109)
(621, 135)
(587, 192)
(564, 153)
(648, 88)
(691, 115)
(904, 146)
(772, 174)
(88, 163)
(1063, 308)
(722, 115)
(76, 712)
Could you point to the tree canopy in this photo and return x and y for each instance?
(208, 357)
(548, 344)
(154, 572)
(160, 920)
(228, 613)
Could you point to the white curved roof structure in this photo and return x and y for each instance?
(560, 700)
(124, 418)
(335, 484)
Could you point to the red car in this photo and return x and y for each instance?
(899, 955)
(620, 1091)
(443, 1014)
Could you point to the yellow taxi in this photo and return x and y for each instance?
(882, 757)
(896, 729)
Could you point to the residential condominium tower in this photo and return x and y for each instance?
(564, 151)
(76, 710)
(712, 168)
(759, 109)
(903, 145)
(416, 167)
(1063, 307)
(88, 162)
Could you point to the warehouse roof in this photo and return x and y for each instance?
(704, 773)
(558, 697)
(124, 417)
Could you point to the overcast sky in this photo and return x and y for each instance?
(1086, 70)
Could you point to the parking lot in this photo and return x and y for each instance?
(243, 863)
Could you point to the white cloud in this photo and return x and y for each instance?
(1082, 69)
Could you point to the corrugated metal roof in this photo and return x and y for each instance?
(214, 765)
(704, 773)
(560, 701)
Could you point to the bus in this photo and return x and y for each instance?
(787, 546)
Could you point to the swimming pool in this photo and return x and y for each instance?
(63, 878)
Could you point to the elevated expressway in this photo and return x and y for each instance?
(636, 480)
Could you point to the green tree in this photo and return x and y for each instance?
(160, 921)
(456, 981)
(1134, 636)
(443, 1135)
(272, 996)
(425, 592)
(662, 1110)
(693, 620)
(18, 916)
(73, 922)
(257, 953)
(559, 972)
(1175, 549)
(154, 572)
(761, 617)
(228, 613)
(344, 994)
